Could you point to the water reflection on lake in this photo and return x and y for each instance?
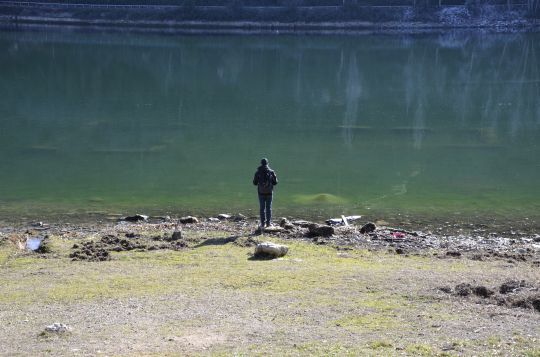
(432, 123)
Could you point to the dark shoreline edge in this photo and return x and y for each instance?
(177, 19)
(274, 28)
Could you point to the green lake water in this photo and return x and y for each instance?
(433, 124)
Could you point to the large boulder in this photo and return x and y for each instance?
(270, 250)
(320, 230)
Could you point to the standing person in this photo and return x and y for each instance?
(265, 179)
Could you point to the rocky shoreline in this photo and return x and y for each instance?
(446, 242)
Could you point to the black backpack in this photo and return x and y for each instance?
(266, 182)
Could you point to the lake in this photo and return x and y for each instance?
(434, 125)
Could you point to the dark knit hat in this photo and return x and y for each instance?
(264, 161)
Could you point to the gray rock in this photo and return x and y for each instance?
(213, 219)
(270, 250)
(223, 216)
(368, 228)
(320, 230)
(177, 235)
(136, 218)
(188, 219)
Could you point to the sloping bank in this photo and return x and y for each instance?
(238, 18)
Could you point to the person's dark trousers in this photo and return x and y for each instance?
(265, 204)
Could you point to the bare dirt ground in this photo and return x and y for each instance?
(386, 292)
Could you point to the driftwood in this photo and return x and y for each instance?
(399, 230)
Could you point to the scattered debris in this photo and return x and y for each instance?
(89, 251)
(344, 220)
(402, 231)
(512, 293)
(511, 286)
(269, 250)
(97, 251)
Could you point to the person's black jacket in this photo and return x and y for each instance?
(263, 170)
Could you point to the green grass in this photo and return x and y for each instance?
(357, 295)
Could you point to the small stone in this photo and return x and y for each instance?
(177, 235)
(223, 216)
(455, 254)
(213, 219)
(368, 228)
(188, 219)
(57, 328)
